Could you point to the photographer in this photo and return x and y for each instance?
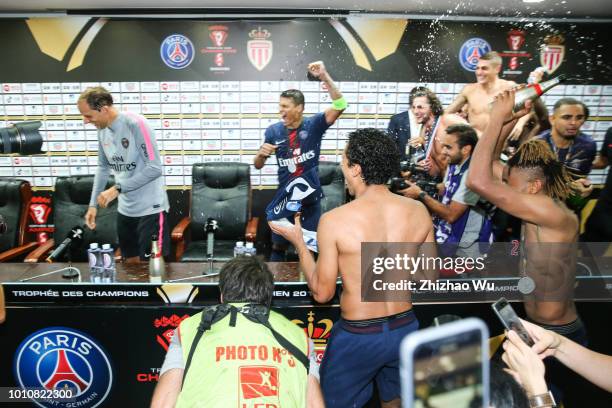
(460, 221)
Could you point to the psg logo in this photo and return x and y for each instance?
(57, 358)
(177, 51)
(471, 51)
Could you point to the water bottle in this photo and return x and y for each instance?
(95, 262)
(157, 266)
(534, 91)
(108, 264)
(239, 249)
(250, 250)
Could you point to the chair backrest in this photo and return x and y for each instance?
(221, 191)
(15, 196)
(332, 183)
(70, 203)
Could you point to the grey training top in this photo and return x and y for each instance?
(127, 148)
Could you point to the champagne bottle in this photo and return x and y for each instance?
(534, 91)
(157, 267)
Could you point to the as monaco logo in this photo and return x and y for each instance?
(552, 52)
(177, 51)
(259, 49)
(59, 358)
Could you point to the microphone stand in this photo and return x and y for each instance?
(204, 275)
(210, 228)
(69, 272)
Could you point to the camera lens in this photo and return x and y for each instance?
(22, 138)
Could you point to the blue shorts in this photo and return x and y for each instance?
(309, 219)
(361, 352)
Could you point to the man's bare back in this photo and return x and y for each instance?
(376, 216)
(479, 97)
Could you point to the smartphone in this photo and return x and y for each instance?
(446, 366)
(510, 320)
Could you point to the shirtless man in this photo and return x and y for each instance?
(428, 112)
(478, 96)
(536, 186)
(364, 343)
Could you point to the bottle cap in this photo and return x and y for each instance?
(93, 245)
(249, 245)
(239, 243)
(154, 237)
(106, 246)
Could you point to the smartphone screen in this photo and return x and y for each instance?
(448, 372)
(511, 321)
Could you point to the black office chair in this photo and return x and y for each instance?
(70, 203)
(221, 191)
(332, 183)
(15, 241)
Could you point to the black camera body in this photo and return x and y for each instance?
(396, 184)
(418, 176)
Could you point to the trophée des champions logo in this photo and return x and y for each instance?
(59, 358)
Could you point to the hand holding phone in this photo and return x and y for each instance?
(511, 321)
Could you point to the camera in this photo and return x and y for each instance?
(428, 186)
(396, 184)
(418, 176)
(22, 138)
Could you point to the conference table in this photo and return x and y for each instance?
(113, 336)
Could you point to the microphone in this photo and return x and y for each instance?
(210, 228)
(75, 234)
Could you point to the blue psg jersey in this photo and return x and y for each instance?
(298, 149)
(297, 156)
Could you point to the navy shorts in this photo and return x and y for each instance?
(309, 219)
(135, 234)
(361, 352)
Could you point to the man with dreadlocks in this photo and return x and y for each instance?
(534, 187)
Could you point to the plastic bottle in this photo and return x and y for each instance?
(239, 249)
(157, 266)
(95, 262)
(108, 264)
(250, 250)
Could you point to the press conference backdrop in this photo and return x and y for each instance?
(210, 88)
